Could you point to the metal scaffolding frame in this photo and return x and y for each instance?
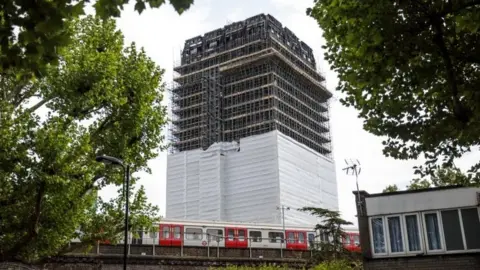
(248, 78)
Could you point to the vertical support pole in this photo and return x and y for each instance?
(250, 245)
(126, 247)
(208, 245)
(153, 244)
(181, 245)
(218, 248)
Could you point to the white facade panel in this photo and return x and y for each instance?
(306, 179)
(246, 182)
(422, 201)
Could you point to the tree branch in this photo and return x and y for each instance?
(453, 10)
(39, 104)
(459, 110)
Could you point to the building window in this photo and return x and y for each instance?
(452, 230)
(193, 233)
(378, 235)
(395, 234)
(432, 229)
(413, 233)
(471, 225)
(256, 236)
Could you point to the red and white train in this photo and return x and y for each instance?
(237, 235)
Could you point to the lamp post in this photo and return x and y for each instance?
(126, 169)
(283, 208)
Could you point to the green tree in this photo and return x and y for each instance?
(390, 188)
(42, 27)
(103, 98)
(331, 229)
(411, 69)
(441, 178)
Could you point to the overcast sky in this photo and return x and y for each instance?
(162, 33)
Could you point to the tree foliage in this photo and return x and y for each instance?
(412, 70)
(390, 188)
(102, 98)
(441, 178)
(331, 229)
(42, 27)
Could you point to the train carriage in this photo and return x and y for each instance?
(178, 233)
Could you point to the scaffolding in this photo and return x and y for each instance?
(248, 78)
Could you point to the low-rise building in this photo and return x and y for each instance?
(435, 228)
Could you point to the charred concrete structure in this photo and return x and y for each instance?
(250, 127)
(248, 78)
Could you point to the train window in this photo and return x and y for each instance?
(275, 237)
(256, 236)
(214, 235)
(166, 232)
(177, 234)
(291, 237)
(241, 235)
(153, 235)
(324, 237)
(301, 238)
(193, 233)
(137, 237)
(230, 234)
(346, 240)
(356, 239)
(311, 238)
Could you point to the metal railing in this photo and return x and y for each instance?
(216, 242)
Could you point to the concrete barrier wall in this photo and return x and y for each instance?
(212, 252)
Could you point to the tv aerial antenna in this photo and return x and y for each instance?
(354, 168)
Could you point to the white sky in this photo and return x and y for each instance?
(162, 33)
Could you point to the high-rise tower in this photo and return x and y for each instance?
(250, 127)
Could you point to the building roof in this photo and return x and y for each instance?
(400, 192)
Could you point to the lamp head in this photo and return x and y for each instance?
(109, 160)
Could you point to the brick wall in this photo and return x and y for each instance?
(440, 262)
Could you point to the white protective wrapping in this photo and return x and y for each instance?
(246, 182)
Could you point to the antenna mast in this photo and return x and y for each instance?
(353, 168)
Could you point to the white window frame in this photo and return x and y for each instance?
(372, 246)
(440, 229)
(419, 231)
(402, 232)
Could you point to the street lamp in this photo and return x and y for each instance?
(283, 208)
(126, 169)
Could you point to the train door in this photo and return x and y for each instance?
(296, 240)
(236, 237)
(171, 235)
